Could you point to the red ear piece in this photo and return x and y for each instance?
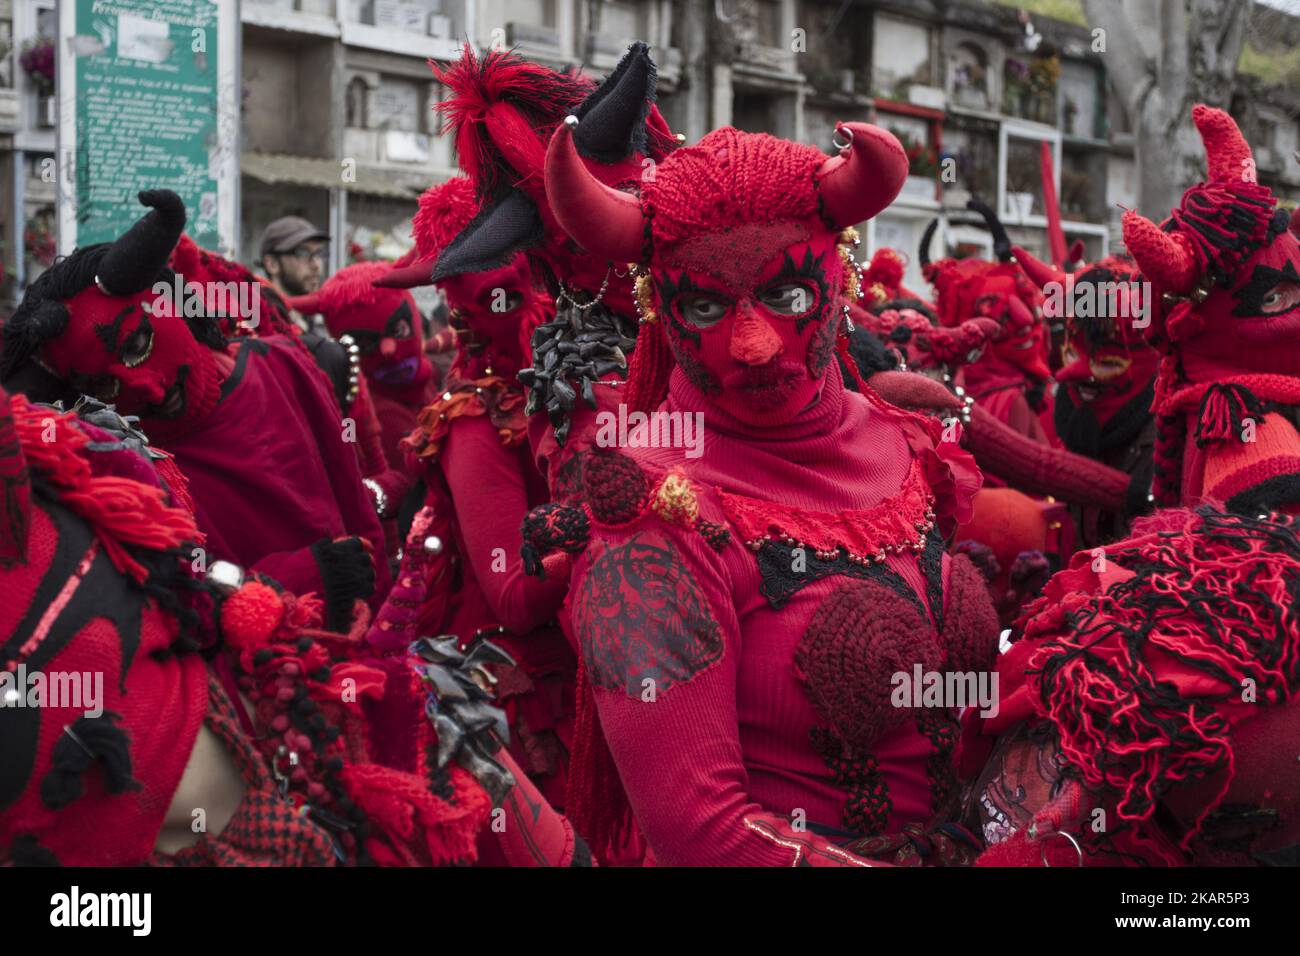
(1295, 222)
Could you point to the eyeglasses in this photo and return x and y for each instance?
(302, 254)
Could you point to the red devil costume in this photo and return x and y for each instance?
(1148, 712)
(275, 485)
(1224, 269)
(94, 564)
(503, 111)
(470, 446)
(719, 675)
(1009, 379)
(1107, 375)
(219, 282)
(382, 327)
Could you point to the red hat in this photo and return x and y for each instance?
(502, 110)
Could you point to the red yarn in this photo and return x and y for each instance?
(648, 369)
(123, 513)
(444, 211)
(728, 178)
(596, 802)
(500, 107)
(1143, 679)
(250, 616)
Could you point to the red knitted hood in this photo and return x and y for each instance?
(740, 236)
(1138, 665)
(104, 701)
(503, 110)
(385, 323)
(1227, 270)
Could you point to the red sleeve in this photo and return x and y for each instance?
(491, 501)
(661, 645)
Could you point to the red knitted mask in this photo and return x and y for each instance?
(130, 351)
(500, 308)
(752, 324)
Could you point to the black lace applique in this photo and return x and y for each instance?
(780, 582)
(931, 561)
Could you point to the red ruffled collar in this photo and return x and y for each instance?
(894, 525)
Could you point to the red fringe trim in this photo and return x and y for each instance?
(123, 513)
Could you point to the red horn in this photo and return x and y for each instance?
(865, 177)
(1039, 272)
(1227, 153)
(308, 304)
(407, 276)
(1163, 257)
(600, 219)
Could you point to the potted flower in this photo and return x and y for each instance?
(1015, 85)
(1044, 73)
(922, 167)
(37, 61)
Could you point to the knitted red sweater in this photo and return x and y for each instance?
(720, 687)
(493, 486)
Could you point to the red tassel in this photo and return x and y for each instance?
(122, 512)
(596, 802)
(648, 370)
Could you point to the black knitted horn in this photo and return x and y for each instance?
(132, 263)
(613, 118)
(923, 253)
(1001, 241)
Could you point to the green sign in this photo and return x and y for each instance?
(147, 111)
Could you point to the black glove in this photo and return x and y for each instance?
(348, 573)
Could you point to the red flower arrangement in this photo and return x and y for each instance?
(37, 60)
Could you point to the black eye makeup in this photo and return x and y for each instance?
(138, 345)
(1269, 292)
(789, 298)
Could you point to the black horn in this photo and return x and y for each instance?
(923, 253)
(613, 118)
(1001, 241)
(132, 263)
(492, 238)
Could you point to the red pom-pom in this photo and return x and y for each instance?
(251, 615)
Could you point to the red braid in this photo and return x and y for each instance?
(648, 369)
